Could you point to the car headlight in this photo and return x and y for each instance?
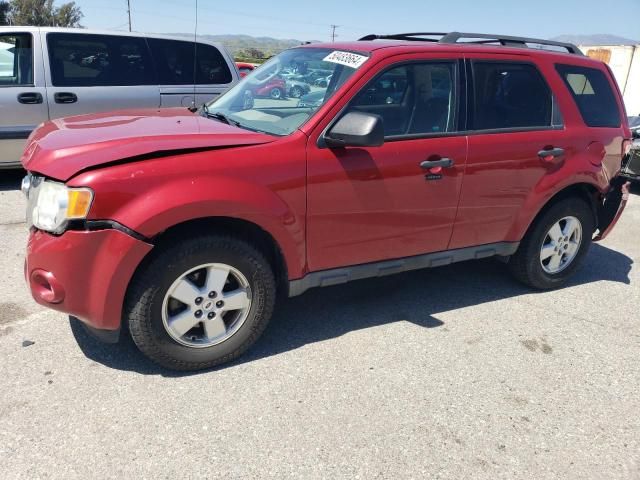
(51, 205)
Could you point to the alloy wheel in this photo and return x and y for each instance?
(206, 305)
(561, 245)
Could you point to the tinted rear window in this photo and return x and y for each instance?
(510, 95)
(174, 61)
(87, 60)
(592, 92)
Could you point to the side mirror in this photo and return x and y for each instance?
(356, 129)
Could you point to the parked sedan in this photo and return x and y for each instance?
(275, 88)
(244, 68)
(296, 88)
(323, 81)
(313, 99)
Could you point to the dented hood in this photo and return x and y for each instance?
(61, 148)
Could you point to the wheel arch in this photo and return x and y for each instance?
(244, 230)
(590, 193)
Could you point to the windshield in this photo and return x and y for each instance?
(283, 93)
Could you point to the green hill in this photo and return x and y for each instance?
(251, 48)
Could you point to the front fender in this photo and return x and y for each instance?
(179, 201)
(155, 195)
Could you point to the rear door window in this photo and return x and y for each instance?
(175, 65)
(80, 60)
(593, 95)
(16, 59)
(511, 95)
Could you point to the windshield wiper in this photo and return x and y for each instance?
(221, 117)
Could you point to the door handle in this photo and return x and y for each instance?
(442, 162)
(550, 154)
(30, 98)
(65, 97)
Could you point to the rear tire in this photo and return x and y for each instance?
(555, 245)
(149, 300)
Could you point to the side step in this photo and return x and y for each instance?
(336, 276)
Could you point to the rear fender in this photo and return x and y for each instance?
(611, 207)
(585, 185)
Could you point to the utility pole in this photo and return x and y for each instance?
(129, 12)
(333, 32)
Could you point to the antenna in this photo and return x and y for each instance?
(195, 61)
(129, 12)
(333, 32)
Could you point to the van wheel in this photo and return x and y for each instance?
(555, 246)
(200, 302)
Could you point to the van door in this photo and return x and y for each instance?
(95, 73)
(174, 60)
(23, 97)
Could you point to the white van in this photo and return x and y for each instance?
(48, 73)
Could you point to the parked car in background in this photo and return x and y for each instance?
(631, 165)
(181, 229)
(313, 99)
(322, 81)
(275, 88)
(296, 89)
(245, 68)
(48, 73)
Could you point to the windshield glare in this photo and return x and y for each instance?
(283, 93)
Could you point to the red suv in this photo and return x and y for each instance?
(425, 150)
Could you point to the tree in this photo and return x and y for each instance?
(4, 13)
(43, 13)
(68, 15)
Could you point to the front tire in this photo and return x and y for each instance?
(296, 92)
(555, 245)
(200, 302)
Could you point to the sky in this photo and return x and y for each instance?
(311, 20)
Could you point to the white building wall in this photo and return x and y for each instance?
(624, 61)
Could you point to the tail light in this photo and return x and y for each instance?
(626, 147)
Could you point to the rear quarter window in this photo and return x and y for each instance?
(175, 63)
(593, 95)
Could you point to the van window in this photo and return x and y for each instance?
(174, 61)
(510, 95)
(16, 59)
(593, 95)
(412, 99)
(81, 60)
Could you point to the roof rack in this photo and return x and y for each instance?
(474, 38)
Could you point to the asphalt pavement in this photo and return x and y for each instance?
(455, 372)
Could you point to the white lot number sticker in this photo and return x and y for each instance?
(349, 59)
